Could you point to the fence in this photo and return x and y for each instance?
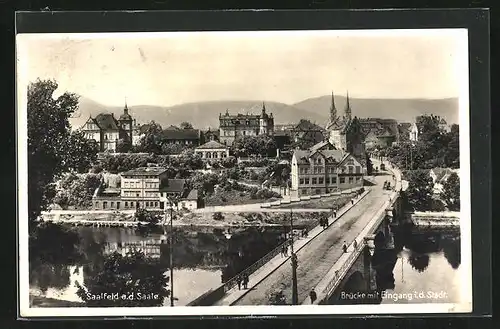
(339, 274)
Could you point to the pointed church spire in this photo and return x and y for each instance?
(333, 110)
(263, 107)
(348, 108)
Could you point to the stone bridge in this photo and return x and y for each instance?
(352, 279)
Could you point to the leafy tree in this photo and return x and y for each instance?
(261, 145)
(77, 191)
(419, 262)
(123, 146)
(217, 216)
(152, 140)
(451, 192)
(420, 190)
(186, 125)
(52, 148)
(132, 277)
(369, 165)
(452, 155)
(142, 215)
(172, 149)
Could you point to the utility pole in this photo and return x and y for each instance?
(295, 296)
(171, 249)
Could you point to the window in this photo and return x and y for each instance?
(320, 180)
(126, 204)
(351, 180)
(342, 180)
(132, 203)
(358, 170)
(314, 181)
(306, 170)
(306, 180)
(104, 205)
(320, 169)
(301, 170)
(137, 194)
(112, 204)
(117, 205)
(316, 170)
(327, 180)
(351, 169)
(301, 181)
(334, 180)
(156, 203)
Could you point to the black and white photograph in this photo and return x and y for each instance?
(244, 172)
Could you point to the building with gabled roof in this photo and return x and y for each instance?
(187, 136)
(107, 130)
(322, 170)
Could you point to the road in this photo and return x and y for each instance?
(317, 257)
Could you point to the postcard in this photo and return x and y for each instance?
(244, 172)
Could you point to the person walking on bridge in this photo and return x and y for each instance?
(245, 281)
(238, 280)
(344, 248)
(313, 296)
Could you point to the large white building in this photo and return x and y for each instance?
(325, 169)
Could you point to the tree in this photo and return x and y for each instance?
(451, 192)
(186, 125)
(153, 139)
(52, 148)
(142, 215)
(420, 190)
(217, 216)
(136, 280)
(123, 146)
(452, 155)
(369, 165)
(262, 145)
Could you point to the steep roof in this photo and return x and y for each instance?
(192, 195)
(303, 156)
(106, 121)
(305, 125)
(212, 145)
(181, 134)
(320, 145)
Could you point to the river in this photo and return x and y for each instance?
(202, 258)
(423, 267)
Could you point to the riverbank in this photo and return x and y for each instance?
(230, 219)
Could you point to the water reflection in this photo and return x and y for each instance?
(202, 257)
(423, 260)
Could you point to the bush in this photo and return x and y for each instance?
(217, 216)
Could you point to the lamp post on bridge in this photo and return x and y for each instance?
(295, 296)
(172, 202)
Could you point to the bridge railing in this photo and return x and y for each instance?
(339, 273)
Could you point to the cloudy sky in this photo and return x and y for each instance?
(173, 68)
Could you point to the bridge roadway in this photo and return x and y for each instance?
(316, 258)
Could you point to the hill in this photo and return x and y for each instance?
(206, 114)
(403, 110)
(200, 114)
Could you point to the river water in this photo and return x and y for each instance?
(202, 258)
(423, 267)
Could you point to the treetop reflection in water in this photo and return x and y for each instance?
(424, 259)
(198, 249)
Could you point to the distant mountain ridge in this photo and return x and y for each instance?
(206, 114)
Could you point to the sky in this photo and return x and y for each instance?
(167, 69)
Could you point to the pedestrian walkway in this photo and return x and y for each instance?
(235, 294)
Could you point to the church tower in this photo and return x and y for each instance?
(126, 121)
(347, 111)
(263, 121)
(333, 110)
